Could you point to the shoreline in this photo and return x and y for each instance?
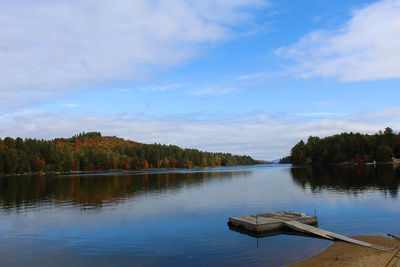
(346, 254)
(72, 172)
(347, 164)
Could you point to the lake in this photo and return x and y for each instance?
(179, 218)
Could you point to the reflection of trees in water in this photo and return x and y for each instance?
(96, 190)
(351, 179)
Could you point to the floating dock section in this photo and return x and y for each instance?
(262, 224)
(273, 221)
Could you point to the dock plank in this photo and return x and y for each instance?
(332, 236)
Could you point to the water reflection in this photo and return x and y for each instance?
(349, 179)
(179, 219)
(96, 190)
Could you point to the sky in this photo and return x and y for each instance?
(247, 77)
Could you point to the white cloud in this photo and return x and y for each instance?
(228, 85)
(70, 105)
(212, 90)
(123, 90)
(258, 135)
(365, 48)
(55, 45)
(250, 76)
(164, 87)
(319, 114)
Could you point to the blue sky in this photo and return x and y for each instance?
(243, 76)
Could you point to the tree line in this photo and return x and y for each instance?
(347, 147)
(92, 151)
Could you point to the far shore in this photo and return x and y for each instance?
(396, 162)
(346, 254)
(72, 172)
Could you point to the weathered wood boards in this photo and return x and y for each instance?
(270, 221)
(332, 236)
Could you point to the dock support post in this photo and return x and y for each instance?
(256, 222)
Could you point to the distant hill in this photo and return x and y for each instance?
(347, 147)
(92, 151)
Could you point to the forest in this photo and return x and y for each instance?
(93, 152)
(347, 147)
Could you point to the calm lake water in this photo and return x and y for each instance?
(180, 218)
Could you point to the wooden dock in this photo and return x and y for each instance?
(266, 224)
(273, 221)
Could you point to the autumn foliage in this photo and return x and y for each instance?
(92, 151)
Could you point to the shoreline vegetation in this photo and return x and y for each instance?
(91, 152)
(347, 148)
